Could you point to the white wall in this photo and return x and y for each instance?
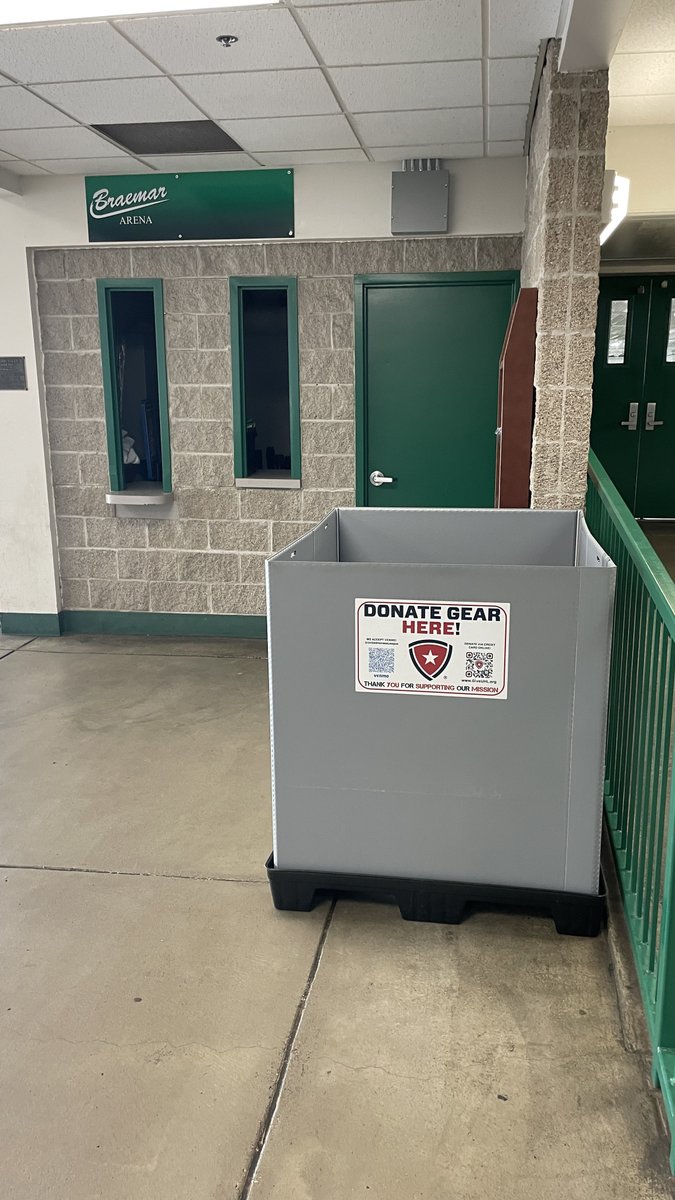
(50, 213)
(353, 200)
(340, 201)
(646, 154)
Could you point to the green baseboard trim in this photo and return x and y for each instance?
(166, 624)
(31, 624)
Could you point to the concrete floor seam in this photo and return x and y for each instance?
(6, 653)
(130, 874)
(275, 1098)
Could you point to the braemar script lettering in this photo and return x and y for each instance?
(103, 204)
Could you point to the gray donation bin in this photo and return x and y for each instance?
(438, 708)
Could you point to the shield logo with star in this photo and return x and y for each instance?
(430, 657)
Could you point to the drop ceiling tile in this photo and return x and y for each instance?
(4, 82)
(298, 158)
(404, 31)
(506, 122)
(650, 23)
(510, 80)
(516, 27)
(26, 168)
(111, 101)
(435, 125)
(641, 110)
(642, 74)
(201, 162)
(72, 142)
(92, 166)
(186, 44)
(445, 151)
(4, 155)
(292, 133)
(168, 138)
(48, 53)
(261, 94)
(20, 109)
(409, 86)
(504, 149)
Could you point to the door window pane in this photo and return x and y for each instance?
(131, 319)
(134, 351)
(670, 347)
(266, 382)
(618, 324)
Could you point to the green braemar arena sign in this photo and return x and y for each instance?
(190, 207)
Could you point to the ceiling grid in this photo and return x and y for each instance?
(642, 72)
(307, 81)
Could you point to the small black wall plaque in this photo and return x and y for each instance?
(13, 375)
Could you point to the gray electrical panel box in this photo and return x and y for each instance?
(438, 696)
(419, 201)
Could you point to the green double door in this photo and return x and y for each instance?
(633, 426)
(427, 373)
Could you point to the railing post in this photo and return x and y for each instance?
(640, 779)
(664, 1025)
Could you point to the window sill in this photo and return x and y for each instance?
(267, 481)
(148, 493)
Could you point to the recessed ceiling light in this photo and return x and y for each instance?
(48, 12)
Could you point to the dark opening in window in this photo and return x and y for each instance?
(266, 388)
(134, 366)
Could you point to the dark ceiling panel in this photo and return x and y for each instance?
(170, 137)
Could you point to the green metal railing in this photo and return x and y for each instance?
(639, 798)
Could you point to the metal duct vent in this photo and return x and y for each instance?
(420, 164)
(640, 241)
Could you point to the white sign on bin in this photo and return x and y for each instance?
(432, 647)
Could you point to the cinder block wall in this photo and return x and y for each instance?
(561, 257)
(209, 558)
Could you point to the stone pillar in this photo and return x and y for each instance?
(561, 257)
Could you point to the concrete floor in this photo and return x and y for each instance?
(166, 1035)
(661, 534)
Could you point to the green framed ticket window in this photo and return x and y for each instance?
(133, 350)
(265, 382)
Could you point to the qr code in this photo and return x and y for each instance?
(380, 660)
(479, 664)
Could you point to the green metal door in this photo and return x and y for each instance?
(633, 425)
(428, 351)
(655, 492)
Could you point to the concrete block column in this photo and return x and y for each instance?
(561, 257)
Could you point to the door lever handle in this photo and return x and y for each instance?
(377, 478)
(632, 421)
(650, 418)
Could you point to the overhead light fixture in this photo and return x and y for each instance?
(49, 12)
(614, 203)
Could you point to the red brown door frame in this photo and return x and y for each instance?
(516, 404)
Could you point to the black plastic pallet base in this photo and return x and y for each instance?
(573, 913)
